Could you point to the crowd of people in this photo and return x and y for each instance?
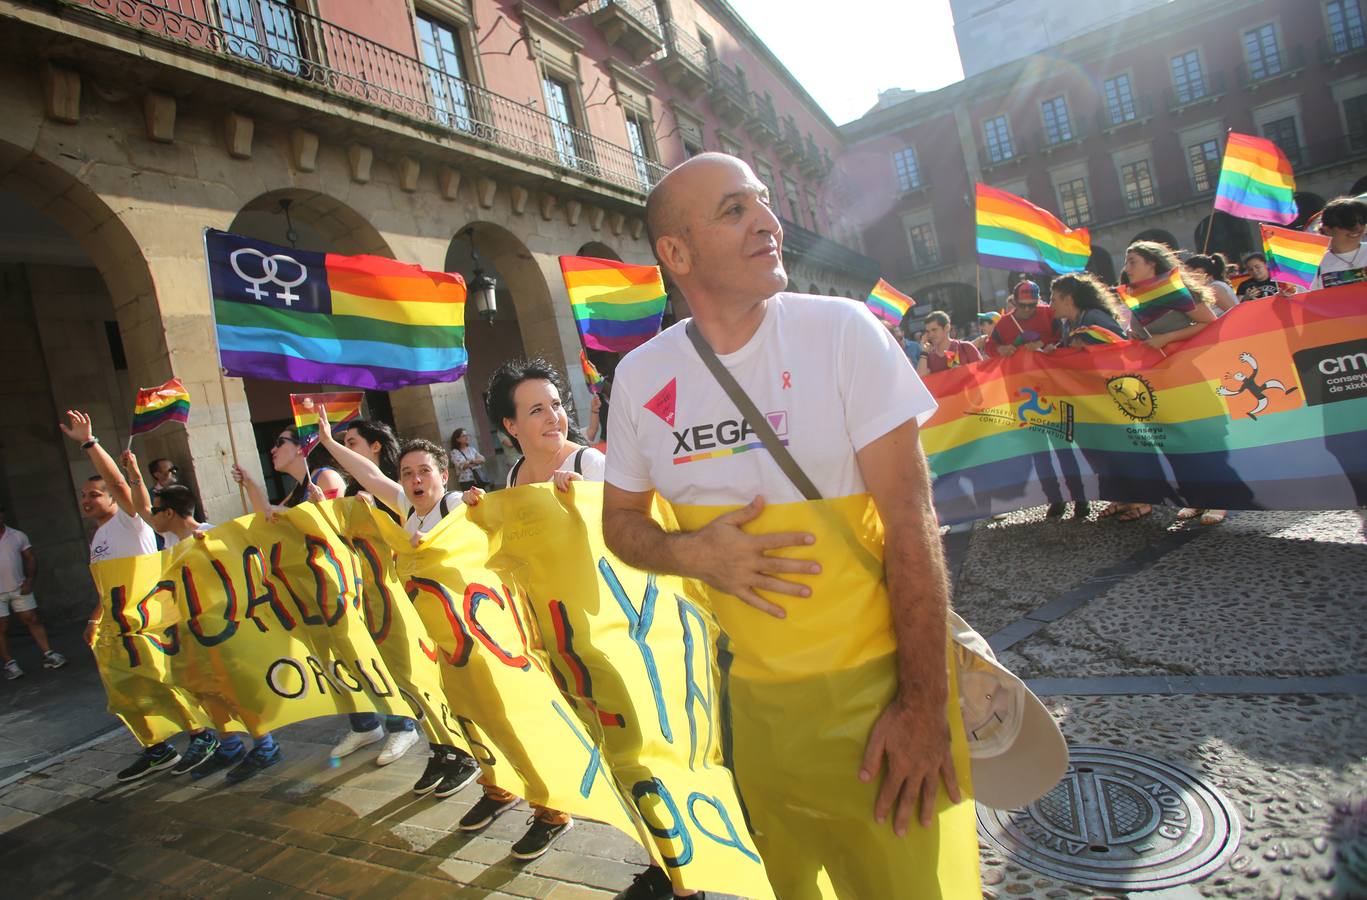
(1083, 300)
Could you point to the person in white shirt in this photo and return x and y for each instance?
(18, 569)
(835, 385)
(1345, 262)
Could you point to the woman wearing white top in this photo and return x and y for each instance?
(524, 401)
(465, 460)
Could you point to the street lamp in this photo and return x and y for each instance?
(482, 289)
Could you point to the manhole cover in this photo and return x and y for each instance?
(1119, 820)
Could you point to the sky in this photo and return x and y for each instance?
(865, 46)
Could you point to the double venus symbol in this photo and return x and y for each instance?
(270, 274)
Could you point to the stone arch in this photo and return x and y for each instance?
(1102, 264)
(1228, 235)
(599, 250)
(525, 324)
(1160, 236)
(322, 224)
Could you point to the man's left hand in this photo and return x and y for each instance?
(27, 587)
(915, 742)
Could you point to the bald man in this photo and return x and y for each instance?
(842, 396)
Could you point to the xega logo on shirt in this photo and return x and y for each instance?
(725, 438)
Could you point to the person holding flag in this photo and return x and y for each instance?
(1167, 303)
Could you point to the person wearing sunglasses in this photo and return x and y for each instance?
(288, 458)
(1029, 325)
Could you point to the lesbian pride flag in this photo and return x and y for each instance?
(888, 303)
(360, 321)
(1015, 234)
(1256, 181)
(1263, 409)
(618, 307)
(1293, 257)
(156, 406)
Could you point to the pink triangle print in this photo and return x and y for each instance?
(662, 404)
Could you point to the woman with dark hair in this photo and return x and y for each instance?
(376, 442)
(465, 461)
(524, 402)
(1345, 262)
(1147, 260)
(1210, 271)
(1081, 300)
(288, 458)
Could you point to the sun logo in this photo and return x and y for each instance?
(1134, 396)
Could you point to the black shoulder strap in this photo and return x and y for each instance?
(758, 423)
(512, 473)
(445, 504)
(578, 456)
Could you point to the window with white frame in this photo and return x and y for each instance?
(908, 170)
(444, 58)
(997, 133)
(1344, 21)
(1261, 53)
(1057, 126)
(1120, 99)
(638, 135)
(561, 111)
(1188, 79)
(1073, 202)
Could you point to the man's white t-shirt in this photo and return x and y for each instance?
(122, 536)
(13, 543)
(169, 538)
(825, 373)
(1334, 263)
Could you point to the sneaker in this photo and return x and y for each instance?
(201, 748)
(484, 812)
(356, 740)
(149, 761)
(456, 775)
(12, 670)
(538, 838)
(221, 759)
(1056, 510)
(432, 775)
(652, 884)
(53, 660)
(1082, 509)
(254, 762)
(399, 743)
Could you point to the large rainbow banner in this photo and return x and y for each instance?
(1264, 409)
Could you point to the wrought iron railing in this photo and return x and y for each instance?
(644, 13)
(272, 35)
(763, 109)
(1208, 87)
(1284, 62)
(729, 81)
(680, 43)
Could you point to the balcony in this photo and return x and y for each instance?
(684, 63)
(1139, 112)
(315, 54)
(729, 98)
(633, 25)
(1005, 156)
(1337, 48)
(813, 165)
(1210, 89)
(1287, 65)
(803, 245)
(789, 147)
(762, 124)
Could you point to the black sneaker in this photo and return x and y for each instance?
(1081, 510)
(1056, 510)
(538, 838)
(201, 747)
(255, 761)
(456, 775)
(652, 884)
(220, 760)
(432, 775)
(151, 760)
(484, 812)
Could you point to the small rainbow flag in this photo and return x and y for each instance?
(1015, 234)
(617, 306)
(1293, 257)
(343, 408)
(888, 303)
(156, 406)
(591, 374)
(1256, 181)
(1091, 335)
(1150, 299)
(362, 321)
(951, 358)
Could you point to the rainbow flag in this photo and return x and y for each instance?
(156, 406)
(361, 321)
(1293, 257)
(1256, 181)
(1254, 412)
(1015, 234)
(1090, 335)
(617, 306)
(1150, 299)
(888, 303)
(343, 408)
(591, 374)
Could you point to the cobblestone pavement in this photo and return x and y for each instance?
(1120, 625)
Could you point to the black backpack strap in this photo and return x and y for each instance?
(445, 504)
(578, 459)
(512, 473)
